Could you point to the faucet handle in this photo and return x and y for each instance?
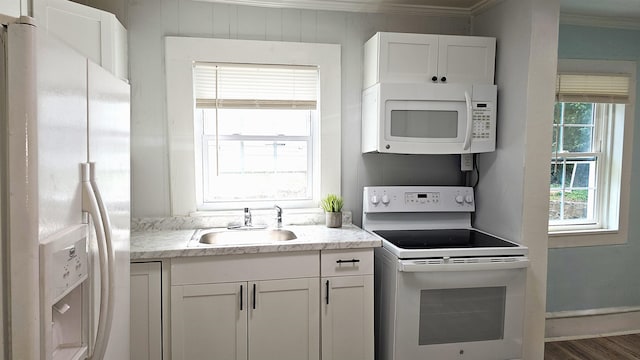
(247, 217)
(278, 216)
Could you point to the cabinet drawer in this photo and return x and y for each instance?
(231, 268)
(346, 262)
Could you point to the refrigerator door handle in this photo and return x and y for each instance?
(91, 205)
(106, 225)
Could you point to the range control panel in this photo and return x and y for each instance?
(418, 199)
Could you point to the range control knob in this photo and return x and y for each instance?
(468, 199)
(375, 200)
(459, 199)
(385, 199)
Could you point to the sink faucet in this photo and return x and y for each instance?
(247, 217)
(278, 216)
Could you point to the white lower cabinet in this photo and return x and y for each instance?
(146, 311)
(284, 319)
(347, 305)
(208, 321)
(285, 306)
(268, 310)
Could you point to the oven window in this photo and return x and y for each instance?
(461, 315)
(424, 123)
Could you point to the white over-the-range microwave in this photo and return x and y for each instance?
(429, 118)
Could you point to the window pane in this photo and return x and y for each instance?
(577, 139)
(578, 113)
(555, 205)
(557, 111)
(575, 204)
(572, 190)
(554, 139)
(258, 122)
(258, 170)
(556, 175)
(582, 174)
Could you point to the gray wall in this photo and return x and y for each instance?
(600, 276)
(513, 177)
(148, 21)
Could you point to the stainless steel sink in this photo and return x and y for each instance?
(238, 237)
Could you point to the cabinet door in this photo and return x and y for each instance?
(466, 59)
(284, 319)
(347, 318)
(94, 33)
(209, 321)
(408, 58)
(146, 311)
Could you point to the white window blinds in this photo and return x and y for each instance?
(255, 86)
(595, 88)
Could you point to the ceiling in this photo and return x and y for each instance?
(625, 12)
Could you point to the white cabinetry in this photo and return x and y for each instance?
(284, 319)
(347, 304)
(246, 307)
(425, 58)
(209, 320)
(146, 311)
(94, 33)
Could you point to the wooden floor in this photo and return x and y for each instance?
(605, 348)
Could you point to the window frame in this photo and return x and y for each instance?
(601, 158)
(616, 173)
(180, 55)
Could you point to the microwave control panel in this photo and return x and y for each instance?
(482, 120)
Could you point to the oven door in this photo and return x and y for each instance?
(472, 310)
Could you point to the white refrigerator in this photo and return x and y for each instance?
(65, 201)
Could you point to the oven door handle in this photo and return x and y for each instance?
(423, 266)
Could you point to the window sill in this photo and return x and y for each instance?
(587, 237)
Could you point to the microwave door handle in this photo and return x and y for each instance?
(467, 136)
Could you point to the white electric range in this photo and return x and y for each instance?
(444, 290)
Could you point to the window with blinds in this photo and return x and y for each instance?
(256, 127)
(587, 106)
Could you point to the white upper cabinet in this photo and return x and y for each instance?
(94, 33)
(400, 58)
(425, 58)
(466, 59)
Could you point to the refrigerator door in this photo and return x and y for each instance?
(47, 111)
(108, 99)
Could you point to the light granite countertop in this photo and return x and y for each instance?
(150, 243)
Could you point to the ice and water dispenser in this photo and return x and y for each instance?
(64, 271)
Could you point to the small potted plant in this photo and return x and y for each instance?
(332, 205)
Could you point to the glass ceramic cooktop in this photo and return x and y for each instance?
(442, 239)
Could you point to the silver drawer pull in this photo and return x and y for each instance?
(348, 261)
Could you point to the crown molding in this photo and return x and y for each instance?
(483, 5)
(600, 21)
(368, 6)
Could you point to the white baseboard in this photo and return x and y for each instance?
(571, 325)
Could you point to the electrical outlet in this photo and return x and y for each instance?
(466, 162)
